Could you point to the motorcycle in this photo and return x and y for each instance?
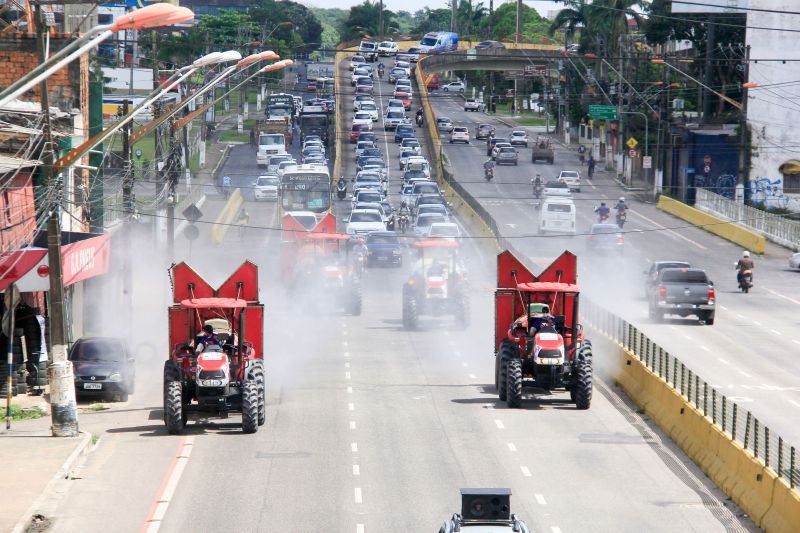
(403, 222)
(746, 280)
(341, 191)
(537, 194)
(488, 174)
(380, 72)
(419, 120)
(621, 218)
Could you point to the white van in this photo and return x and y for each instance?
(558, 215)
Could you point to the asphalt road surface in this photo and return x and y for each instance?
(749, 354)
(370, 427)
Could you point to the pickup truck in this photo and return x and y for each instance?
(473, 105)
(683, 292)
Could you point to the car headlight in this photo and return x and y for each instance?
(116, 376)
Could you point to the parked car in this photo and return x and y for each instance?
(605, 238)
(519, 137)
(266, 188)
(507, 156)
(471, 104)
(651, 274)
(454, 86)
(683, 292)
(572, 178)
(444, 124)
(459, 134)
(103, 367)
(384, 248)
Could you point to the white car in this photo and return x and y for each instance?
(555, 188)
(418, 163)
(497, 147)
(388, 48)
(572, 178)
(519, 137)
(474, 105)
(393, 118)
(363, 117)
(362, 98)
(356, 60)
(395, 105)
(369, 107)
(363, 221)
(447, 230)
(411, 143)
(460, 134)
(266, 188)
(307, 219)
(284, 166)
(794, 261)
(359, 72)
(454, 87)
(423, 223)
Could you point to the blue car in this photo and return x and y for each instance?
(384, 248)
(404, 131)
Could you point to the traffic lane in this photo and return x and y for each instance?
(747, 360)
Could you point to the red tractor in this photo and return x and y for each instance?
(540, 343)
(220, 376)
(437, 285)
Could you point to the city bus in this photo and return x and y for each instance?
(306, 188)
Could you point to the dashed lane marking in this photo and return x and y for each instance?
(756, 322)
(555, 529)
(525, 471)
(158, 509)
(739, 315)
(351, 407)
(354, 447)
(458, 354)
(473, 376)
(796, 404)
(349, 390)
(347, 375)
(776, 332)
(723, 361)
(511, 447)
(347, 365)
(706, 348)
(745, 374)
(357, 495)
(540, 499)
(359, 528)
(352, 424)
(795, 341)
(347, 354)
(776, 293)
(356, 470)
(464, 364)
(673, 232)
(499, 424)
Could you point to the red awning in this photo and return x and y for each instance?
(86, 256)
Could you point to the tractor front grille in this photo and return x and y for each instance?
(212, 374)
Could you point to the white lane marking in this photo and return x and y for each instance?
(656, 224)
(344, 332)
(349, 390)
(525, 471)
(464, 364)
(347, 375)
(356, 470)
(687, 337)
(784, 296)
(499, 424)
(347, 364)
(555, 529)
(344, 343)
(756, 322)
(473, 376)
(161, 503)
(458, 354)
(357, 495)
(354, 447)
(740, 315)
(451, 342)
(351, 407)
(745, 374)
(347, 354)
(511, 447)
(446, 333)
(776, 332)
(795, 341)
(723, 307)
(540, 499)
(723, 361)
(796, 404)
(672, 327)
(352, 424)
(706, 348)
(359, 528)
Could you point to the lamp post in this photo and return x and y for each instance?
(152, 16)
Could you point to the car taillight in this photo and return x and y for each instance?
(662, 293)
(712, 296)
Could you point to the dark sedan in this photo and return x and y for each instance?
(384, 248)
(103, 367)
(605, 238)
(404, 131)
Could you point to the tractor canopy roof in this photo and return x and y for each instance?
(436, 243)
(547, 286)
(210, 303)
(326, 237)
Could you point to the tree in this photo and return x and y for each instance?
(363, 21)
(601, 22)
(505, 23)
(431, 20)
(470, 16)
(269, 13)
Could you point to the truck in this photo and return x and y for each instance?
(369, 49)
(280, 105)
(543, 150)
(273, 136)
(683, 292)
(315, 121)
(435, 42)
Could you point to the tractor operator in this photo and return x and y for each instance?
(208, 338)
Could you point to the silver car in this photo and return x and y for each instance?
(507, 156)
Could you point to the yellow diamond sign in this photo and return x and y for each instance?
(631, 143)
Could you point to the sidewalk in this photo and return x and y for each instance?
(34, 465)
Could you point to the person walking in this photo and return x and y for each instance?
(591, 166)
(252, 137)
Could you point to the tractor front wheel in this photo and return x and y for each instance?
(250, 399)
(582, 388)
(514, 383)
(174, 416)
(258, 375)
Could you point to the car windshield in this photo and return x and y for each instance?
(97, 351)
(445, 230)
(518, 134)
(459, 130)
(555, 185)
(569, 174)
(395, 114)
(429, 218)
(604, 229)
(381, 239)
(410, 142)
(368, 107)
(426, 188)
(267, 181)
(411, 174)
(684, 276)
(507, 151)
(432, 208)
(559, 208)
(405, 129)
(365, 216)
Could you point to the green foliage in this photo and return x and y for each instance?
(305, 28)
(363, 21)
(428, 19)
(229, 28)
(601, 22)
(31, 413)
(534, 26)
(404, 21)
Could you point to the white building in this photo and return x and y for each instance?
(773, 111)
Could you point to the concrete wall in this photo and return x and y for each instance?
(772, 117)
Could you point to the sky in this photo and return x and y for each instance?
(542, 6)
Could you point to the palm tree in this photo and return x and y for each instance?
(601, 22)
(574, 16)
(470, 15)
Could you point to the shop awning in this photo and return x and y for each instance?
(83, 256)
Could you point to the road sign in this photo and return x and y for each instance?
(647, 161)
(536, 70)
(192, 213)
(191, 232)
(632, 153)
(632, 143)
(603, 112)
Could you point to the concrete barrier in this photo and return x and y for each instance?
(749, 240)
(768, 500)
(227, 216)
(341, 55)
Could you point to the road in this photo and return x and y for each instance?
(370, 427)
(748, 354)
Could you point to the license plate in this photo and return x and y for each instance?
(93, 386)
(383, 258)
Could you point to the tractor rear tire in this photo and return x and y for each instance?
(410, 313)
(250, 406)
(258, 375)
(505, 353)
(514, 383)
(583, 379)
(174, 416)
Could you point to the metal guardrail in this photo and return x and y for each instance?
(735, 421)
(775, 228)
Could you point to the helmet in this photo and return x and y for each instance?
(602, 204)
(208, 328)
(745, 254)
(622, 199)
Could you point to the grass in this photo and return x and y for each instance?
(234, 136)
(97, 407)
(95, 438)
(30, 413)
(146, 144)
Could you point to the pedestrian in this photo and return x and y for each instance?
(591, 166)
(253, 137)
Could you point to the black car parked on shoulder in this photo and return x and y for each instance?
(103, 367)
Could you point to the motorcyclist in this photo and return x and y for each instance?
(602, 211)
(537, 185)
(745, 263)
(403, 209)
(621, 205)
(488, 167)
(208, 338)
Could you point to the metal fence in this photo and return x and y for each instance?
(776, 228)
(737, 422)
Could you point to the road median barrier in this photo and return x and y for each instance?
(749, 240)
(341, 54)
(227, 216)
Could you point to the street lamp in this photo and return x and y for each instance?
(152, 16)
(278, 25)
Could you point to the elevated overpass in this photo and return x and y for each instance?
(490, 59)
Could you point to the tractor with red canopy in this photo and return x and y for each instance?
(437, 285)
(538, 339)
(220, 370)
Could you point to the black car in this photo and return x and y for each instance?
(384, 248)
(487, 45)
(103, 367)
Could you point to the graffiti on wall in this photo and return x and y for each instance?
(723, 184)
(769, 193)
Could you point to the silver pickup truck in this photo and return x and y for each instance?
(683, 292)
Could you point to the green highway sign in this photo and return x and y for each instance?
(603, 112)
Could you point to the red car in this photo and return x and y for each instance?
(357, 129)
(404, 97)
(312, 86)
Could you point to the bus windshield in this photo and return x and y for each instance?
(270, 139)
(306, 191)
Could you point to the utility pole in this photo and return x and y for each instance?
(517, 40)
(380, 23)
(565, 119)
(171, 186)
(453, 15)
(741, 178)
(62, 381)
(708, 74)
(491, 37)
(620, 133)
(157, 155)
(127, 229)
